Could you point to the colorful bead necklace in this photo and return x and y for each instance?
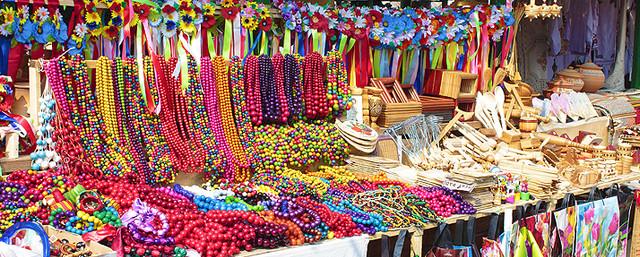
(228, 124)
(252, 82)
(240, 112)
(215, 121)
(200, 121)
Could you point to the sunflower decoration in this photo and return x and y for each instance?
(208, 13)
(249, 23)
(265, 17)
(115, 19)
(227, 3)
(141, 12)
(187, 16)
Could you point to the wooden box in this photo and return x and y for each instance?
(454, 84)
(97, 249)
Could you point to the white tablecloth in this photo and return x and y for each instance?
(345, 247)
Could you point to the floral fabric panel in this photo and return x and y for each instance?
(597, 228)
(566, 229)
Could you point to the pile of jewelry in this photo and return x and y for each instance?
(222, 218)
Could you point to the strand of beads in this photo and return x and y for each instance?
(268, 91)
(59, 217)
(180, 154)
(65, 136)
(340, 224)
(292, 89)
(45, 156)
(215, 121)
(120, 100)
(367, 222)
(242, 117)
(200, 121)
(12, 195)
(119, 161)
(294, 233)
(131, 115)
(391, 204)
(315, 92)
(155, 145)
(105, 96)
(281, 96)
(189, 133)
(228, 124)
(252, 82)
(339, 94)
(105, 157)
(298, 89)
(150, 81)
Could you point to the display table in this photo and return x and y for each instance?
(344, 247)
(357, 246)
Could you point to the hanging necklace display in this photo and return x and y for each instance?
(292, 89)
(200, 118)
(252, 82)
(315, 92)
(45, 155)
(339, 94)
(241, 113)
(242, 172)
(207, 77)
(156, 146)
(281, 98)
(65, 135)
(171, 127)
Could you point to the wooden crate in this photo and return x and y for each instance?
(453, 84)
(9, 165)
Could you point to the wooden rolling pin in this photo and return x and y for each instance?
(556, 140)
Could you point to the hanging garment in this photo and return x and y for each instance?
(581, 23)
(605, 49)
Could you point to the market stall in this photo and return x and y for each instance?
(285, 128)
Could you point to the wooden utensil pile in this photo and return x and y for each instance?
(543, 180)
(481, 196)
(490, 112)
(370, 164)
